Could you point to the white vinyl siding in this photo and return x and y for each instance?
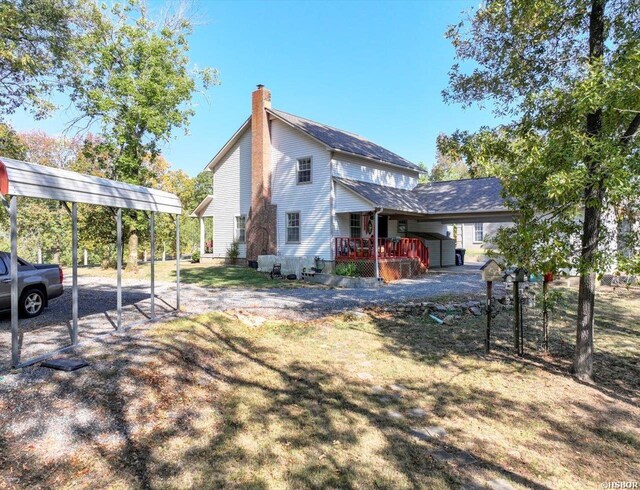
(348, 201)
(231, 195)
(312, 200)
(364, 170)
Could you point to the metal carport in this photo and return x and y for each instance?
(24, 179)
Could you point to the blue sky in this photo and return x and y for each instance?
(374, 68)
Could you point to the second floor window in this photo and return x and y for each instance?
(293, 227)
(356, 226)
(304, 170)
(478, 232)
(241, 226)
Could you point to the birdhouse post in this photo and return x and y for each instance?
(490, 272)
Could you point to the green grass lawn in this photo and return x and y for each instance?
(210, 402)
(201, 274)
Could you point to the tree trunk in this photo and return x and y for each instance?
(132, 263)
(593, 200)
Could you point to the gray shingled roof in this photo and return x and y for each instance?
(462, 196)
(451, 197)
(340, 140)
(384, 196)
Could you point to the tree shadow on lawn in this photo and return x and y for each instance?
(617, 342)
(232, 276)
(196, 405)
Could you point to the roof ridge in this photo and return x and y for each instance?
(458, 180)
(323, 124)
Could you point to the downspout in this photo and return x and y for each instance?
(375, 234)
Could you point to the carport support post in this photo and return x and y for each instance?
(13, 218)
(74, 274)
(119, 260)
(178, 262)
(153, 260)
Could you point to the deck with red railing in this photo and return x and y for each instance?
(349, 249)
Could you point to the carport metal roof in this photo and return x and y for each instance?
(25, 179)
(18, 178)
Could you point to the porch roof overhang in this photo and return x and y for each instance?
(25, 179)
(500, 216)
(390, 199)
(202, 207)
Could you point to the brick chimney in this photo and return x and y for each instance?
(261, 225)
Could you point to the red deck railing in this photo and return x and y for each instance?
(388, 248)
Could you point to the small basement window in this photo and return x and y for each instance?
(304, 170)
(293, 227)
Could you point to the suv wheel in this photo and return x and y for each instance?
(32, 303)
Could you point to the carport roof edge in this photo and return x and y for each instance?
(19, 178)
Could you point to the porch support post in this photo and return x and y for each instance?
(375, 242)
(202, 233)
(119, 260)
(74, 273)
(15, 333)
(153, 261)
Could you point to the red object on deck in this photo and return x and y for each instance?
(4, 180)
(388, 248)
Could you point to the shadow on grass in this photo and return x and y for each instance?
(196, 409)
(231, 276)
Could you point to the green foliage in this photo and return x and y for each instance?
(533, 66)
(39, 41)
(447, 167)
(195, 257)
(348, 269)
(10, 143)
(233, 251)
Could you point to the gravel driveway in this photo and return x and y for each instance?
(97, 305)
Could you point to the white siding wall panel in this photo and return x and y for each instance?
(364, 170)
(231, 194)
(311, 200)
(349, 202)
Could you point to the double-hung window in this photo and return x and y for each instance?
(355, 224)
(241, 227)
(478, 232)
(304, 170)
(293, 227)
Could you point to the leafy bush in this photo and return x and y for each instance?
(349, 269)
(233, 252)
(195, 257)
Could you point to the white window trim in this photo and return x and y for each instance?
(236, 229)
(286, 227)
(474, 233)
(310, 158)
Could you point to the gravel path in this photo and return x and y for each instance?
(97, 305)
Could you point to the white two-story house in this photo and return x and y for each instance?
(289, 186)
